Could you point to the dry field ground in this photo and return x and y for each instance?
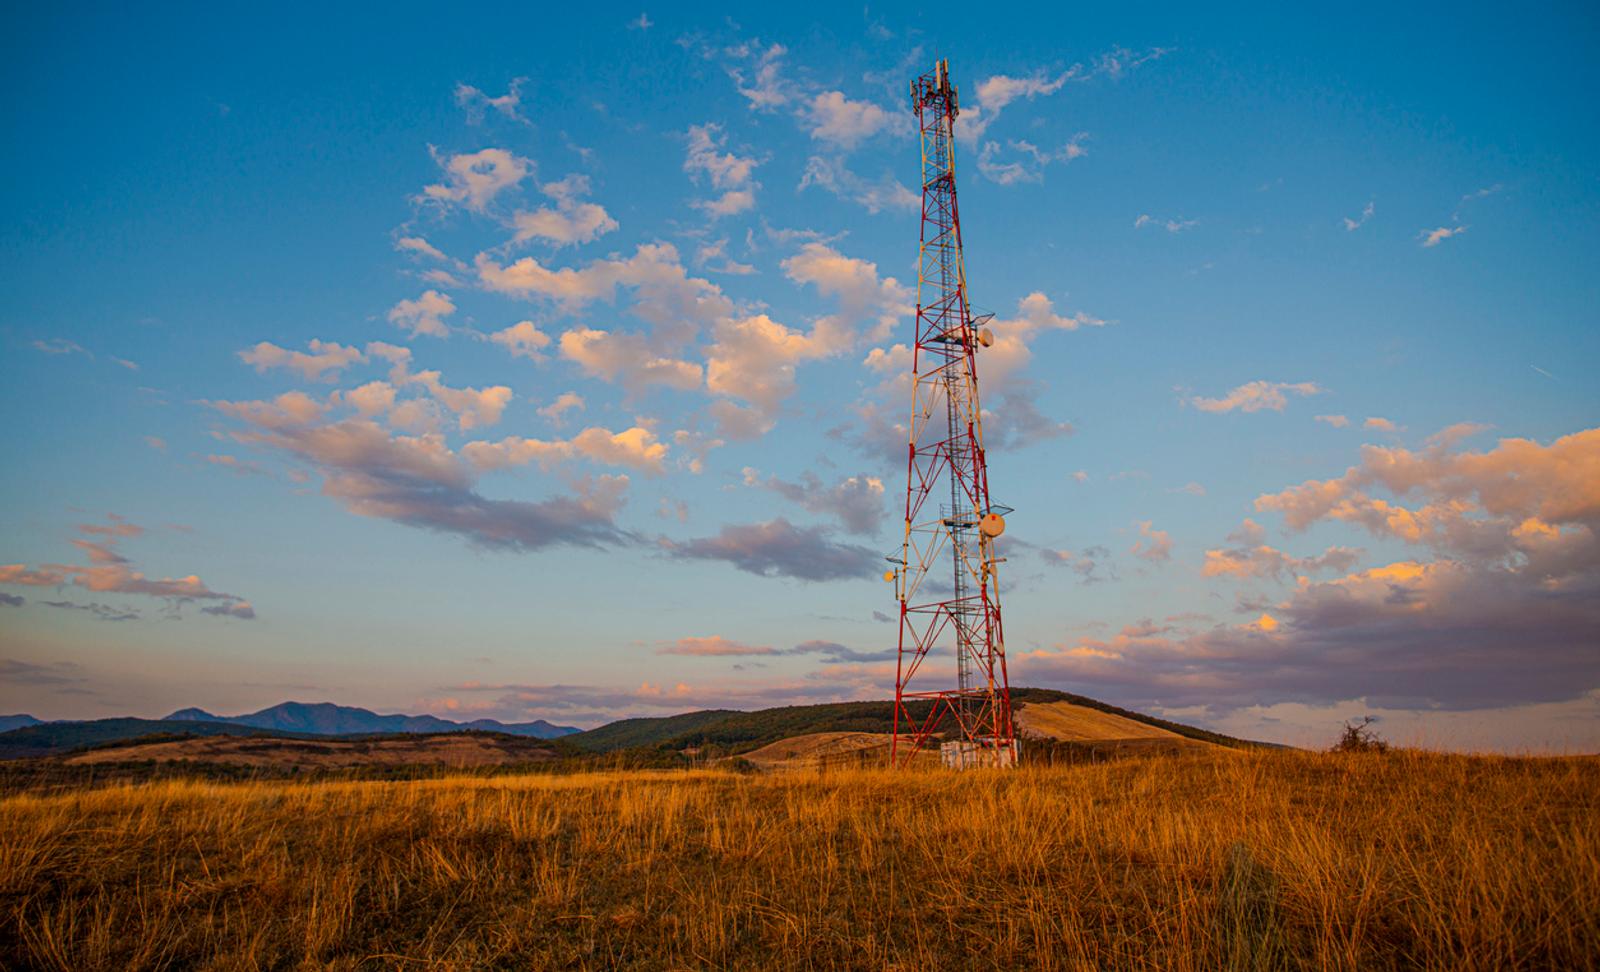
(1202, 861)
(457, 750)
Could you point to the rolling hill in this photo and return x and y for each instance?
(802, 733)
(328, 719)
(54, 738)
(452, 749)
(740, 732)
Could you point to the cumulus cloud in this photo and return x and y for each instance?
(727, 172)
(1519, 502)
(1153, 545)
(843, 121)
(714, 256)
(629, 359)
(475, 179)
(778, 548)
(556, 411)
(1508, 613)
(322, 363)
(1014, 336)
(523, 339)
(1337, 421)
(1251, 558)
(634, 448)
(866, 301)
(474, 407)
(425, 315)
(1256, 395)
(675, 303)
(1379, 423)
(570, 222)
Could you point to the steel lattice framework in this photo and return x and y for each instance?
(950, 525)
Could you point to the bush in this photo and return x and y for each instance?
(1357, 737)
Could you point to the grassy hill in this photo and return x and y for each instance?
(631, 733)
(722, 730)
(54, 738)
(741, 731)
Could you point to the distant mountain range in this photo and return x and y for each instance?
(328, 719)
(10, 722)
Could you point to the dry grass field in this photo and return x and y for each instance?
(1254, 860)
(452, 750)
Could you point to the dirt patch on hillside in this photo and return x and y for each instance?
(1076, 723)
(456, 749)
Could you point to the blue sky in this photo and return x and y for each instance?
(1229, 255)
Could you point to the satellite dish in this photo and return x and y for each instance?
(986, 338)
(992, 524)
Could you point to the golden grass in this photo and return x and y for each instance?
(815, 750)
(1063, 720)
(1255, 860)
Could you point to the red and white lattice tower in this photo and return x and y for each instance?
(946, 583)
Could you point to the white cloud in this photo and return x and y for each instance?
(759, 75)
(474, 407)
(425, 315)
(864, 298)
(1255, 396)
(1434, 237)
(475, 103)
(556, 411)
(325, 360)
(1170, 225)
(1337, 421)
(733, 174)
(1153, 545)
(634, 448)
(996, 92)
(1366, 214)
(628, 359)
(837, 119)
(666, 295)
(570, 222)
(714, 257)
(1030, 163)
(885, 193)
(523, 339)
(475, 179)
(416, 244)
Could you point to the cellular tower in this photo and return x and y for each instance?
(945, 579)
